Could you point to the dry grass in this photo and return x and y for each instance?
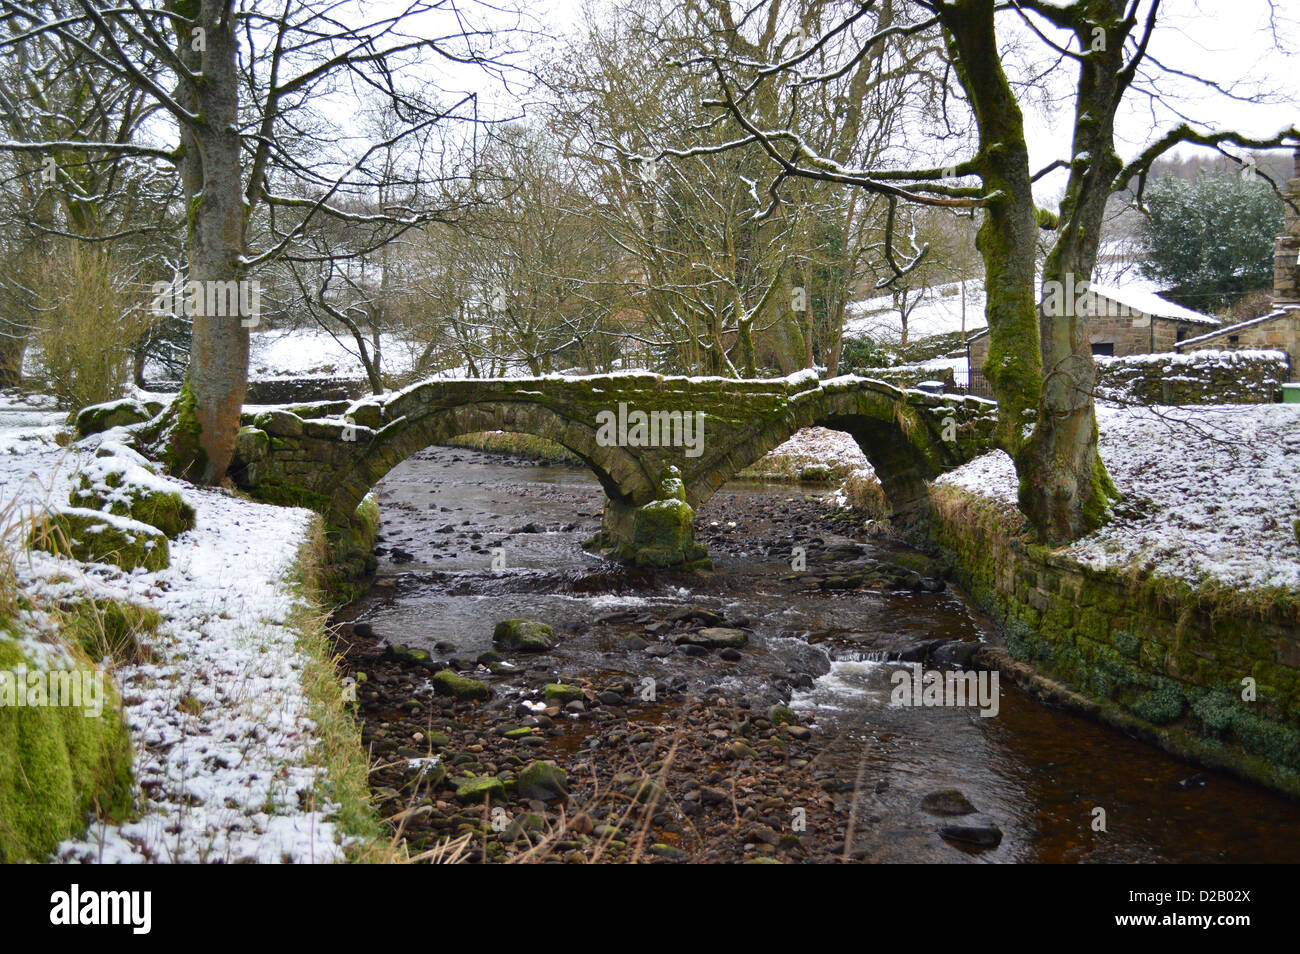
(338, 751)
(864, 493)
(90, 313)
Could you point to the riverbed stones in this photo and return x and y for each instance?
(449, 683)
(477, 790)
(408, 655)
(715, 637)
(543, 781)
(976, 830)
(557, 693)
(524, 635)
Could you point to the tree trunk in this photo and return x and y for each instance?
(1064, 487)
(211, 171)
(13, 345)
(1006, 238)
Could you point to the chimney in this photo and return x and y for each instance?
(1286, 255)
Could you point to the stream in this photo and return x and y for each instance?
(469, 538)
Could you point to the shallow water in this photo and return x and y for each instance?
(1040, 773)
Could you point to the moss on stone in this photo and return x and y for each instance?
(523, 635)
(183, 453)
(93, 537)
(449, 683)
(1080, 627)
(165, 510)
(58, 764)
(102, 417)
(559, 693)
(481, 789)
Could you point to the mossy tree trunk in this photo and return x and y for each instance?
(1064, 488)
(1006, 239)
(1040, 365)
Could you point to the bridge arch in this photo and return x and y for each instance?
(619, 472)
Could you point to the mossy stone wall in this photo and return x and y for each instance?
(1161, 658)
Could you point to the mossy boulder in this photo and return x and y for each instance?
(123, 488)
(279, 423)
(481, 789)
(409, 655)
(559, 693)
(523, 635)
(781, 715)
(96, 537)
(57, 762)
(102, 417)
(544, 781)
(449, 683)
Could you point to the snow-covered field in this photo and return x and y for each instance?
(224, 777)
(311, 352)
(939, 312)
(1210, 492)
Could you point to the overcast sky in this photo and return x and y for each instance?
(1226, 40)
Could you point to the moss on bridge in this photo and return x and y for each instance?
(329, 463)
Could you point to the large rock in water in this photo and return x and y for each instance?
(449, 683)
(716, 637)
(523, 635)
(978, 831)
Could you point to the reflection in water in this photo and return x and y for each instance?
(1038, 772)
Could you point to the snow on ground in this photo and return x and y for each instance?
(940, 312)
(311, 352)
(1210, 492)
(225, 777)
(814, 446)
(941, 308)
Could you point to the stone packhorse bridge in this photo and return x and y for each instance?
(629, 429)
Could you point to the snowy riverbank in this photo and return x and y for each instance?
(223, 741)
(1210, 493)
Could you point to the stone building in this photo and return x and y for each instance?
(1121, 322)
(1279, 330)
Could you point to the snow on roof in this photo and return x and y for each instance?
(1149, 303)
(1229, 329)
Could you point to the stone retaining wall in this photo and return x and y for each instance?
(1201, 377)
(1151, 655)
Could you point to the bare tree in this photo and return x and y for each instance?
(1040, 367)
(244, 96)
